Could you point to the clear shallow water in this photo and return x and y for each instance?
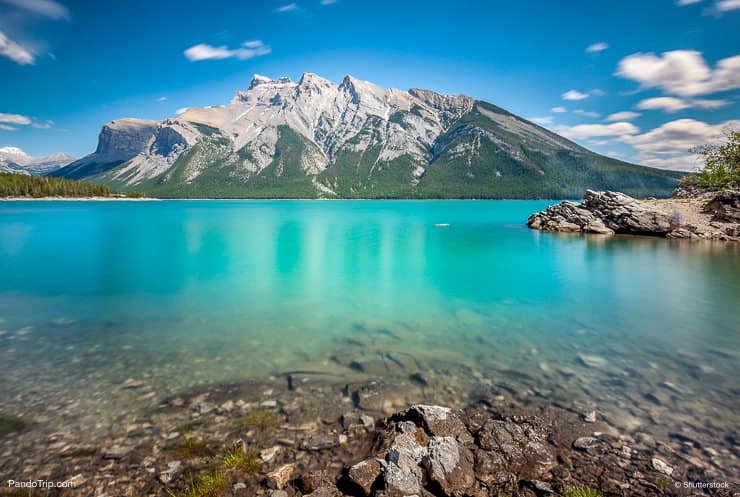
(185, 293)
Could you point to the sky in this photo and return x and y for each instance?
(639, 81)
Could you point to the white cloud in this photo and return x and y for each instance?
(46, 8)
(597, 47)
(623, 116)
(15, 52)
(559, 109)
(542, 121)
(577, 95)
(162, 99)
(667, 104)
(727, 5)
(248, 50)
(681, 72)
(586, 113)
(14, 119)
(574, 95)
(674, 104)
(287, 8)
(5, 127)
(682, 3)
(584, 131)
(43, 125)
(668, 145)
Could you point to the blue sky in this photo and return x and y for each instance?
(641, 81)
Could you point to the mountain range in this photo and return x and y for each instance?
(317, 139)
(15, 161)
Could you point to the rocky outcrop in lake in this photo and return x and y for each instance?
(713, 216)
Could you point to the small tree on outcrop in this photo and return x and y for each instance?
(721, 163)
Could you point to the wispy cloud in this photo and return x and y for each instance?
(6, 120)
(577, 95)
(43, 125)
(162, 99)
(584, 131)
(586, 113)
(667, 146)
(287, 8)
(723, 6)
(542, 121)
(14, 119)
(248, 50)
(683, 3)
(674, 104)
(46, 8)
(574, 95)
(328, 2)
(597, 47)
(623, 116)
(559, 109)
(681, 72)
(15, 52)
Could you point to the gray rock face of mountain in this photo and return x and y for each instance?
(16, 161)
(353, 139)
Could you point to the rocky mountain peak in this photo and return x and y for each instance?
(350, 139)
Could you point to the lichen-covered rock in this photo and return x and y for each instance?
(437, 421)
(521, 445)
(449, 465)
(433, 450)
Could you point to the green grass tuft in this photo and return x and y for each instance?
(261, 420)
(191, 447)
(209, 485)
(238, 459)
(582, 492)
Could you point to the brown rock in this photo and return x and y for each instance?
(282, 475)
(365, 473)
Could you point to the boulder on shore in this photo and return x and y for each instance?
(712, 217)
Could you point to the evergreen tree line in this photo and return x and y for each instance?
(22, 185)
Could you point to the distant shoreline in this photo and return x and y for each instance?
(95, 199)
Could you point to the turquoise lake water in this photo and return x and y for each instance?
(195, 292)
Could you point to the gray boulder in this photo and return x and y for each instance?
(604, 213)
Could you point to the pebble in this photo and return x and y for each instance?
(592, 361)
(268, 455)
(590, 417)
(584, 443)
(116, 452)
(132, 383)
(662, 467)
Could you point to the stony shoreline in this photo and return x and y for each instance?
(303, 435)
(706, 216)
